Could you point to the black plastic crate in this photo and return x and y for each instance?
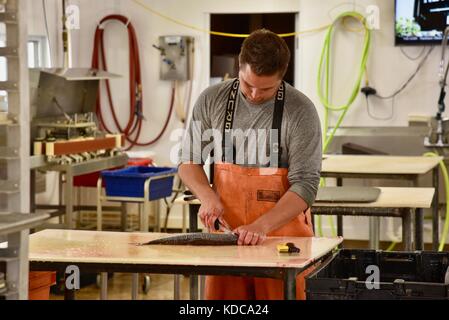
(403, 276)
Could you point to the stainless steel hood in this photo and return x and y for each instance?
(75, 90)
(80, 74)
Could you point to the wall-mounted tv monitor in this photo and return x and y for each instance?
(421, 22)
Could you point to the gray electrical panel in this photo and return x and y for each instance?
(176, 57)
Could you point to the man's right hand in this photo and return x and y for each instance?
(211, 209)
(196, 180)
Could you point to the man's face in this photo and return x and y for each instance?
(258, 89)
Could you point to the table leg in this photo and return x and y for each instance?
(193, 227)
(69, 201)
(144, 225)
(99, 208)
(78, 214)
(60, 195)
(124, 216)
(184, 219)
(135, 286)
(407, 229)
(177, 286)
(33, 191)
(374, 229)
(339, 217)
(144, 216)
(340, 226)
(290, 285)
(202, 287)
(68, 294)
(104, 286)
(419, 228)
(193, 287)
(436, 215)
(157, 215)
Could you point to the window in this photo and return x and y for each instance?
(37, 52)
(33, 54)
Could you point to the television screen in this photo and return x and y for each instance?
(421, 21)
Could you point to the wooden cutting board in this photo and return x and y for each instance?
(348, 194)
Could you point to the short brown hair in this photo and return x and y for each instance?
(266, 53)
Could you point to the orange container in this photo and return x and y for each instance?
(39, 285)
(135, 162)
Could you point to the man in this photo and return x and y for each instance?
(258, 198)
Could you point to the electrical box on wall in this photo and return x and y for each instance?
(176, 57)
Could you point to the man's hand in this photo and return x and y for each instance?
(196, 180)
(211, 209)
(250, 235)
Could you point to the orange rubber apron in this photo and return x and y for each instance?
(247, 194)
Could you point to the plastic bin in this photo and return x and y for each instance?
(90, 180)
(40, 284)
(130, 182)
(403, 276)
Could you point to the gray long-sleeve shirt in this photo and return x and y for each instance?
(301, 138)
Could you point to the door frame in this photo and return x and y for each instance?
(296, 55)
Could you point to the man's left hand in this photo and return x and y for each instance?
(250, 235)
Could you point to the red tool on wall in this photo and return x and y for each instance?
(133, 129)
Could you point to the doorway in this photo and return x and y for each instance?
(224, 51)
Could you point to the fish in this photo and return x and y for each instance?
(197, 239)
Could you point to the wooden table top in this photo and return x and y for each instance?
(361, 164)
(72, 246)
(420, 198)
(389, 198)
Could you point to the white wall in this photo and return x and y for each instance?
(387, 67)
(148, 27)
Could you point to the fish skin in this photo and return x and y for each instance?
(197, 239)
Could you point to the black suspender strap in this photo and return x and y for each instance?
(229, 121)
(276, 148)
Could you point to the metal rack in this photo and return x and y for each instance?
(14, 146)
(144, 205)
(74, 170)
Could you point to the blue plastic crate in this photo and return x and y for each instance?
(130, 182)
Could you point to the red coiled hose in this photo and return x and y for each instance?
(133, 128)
